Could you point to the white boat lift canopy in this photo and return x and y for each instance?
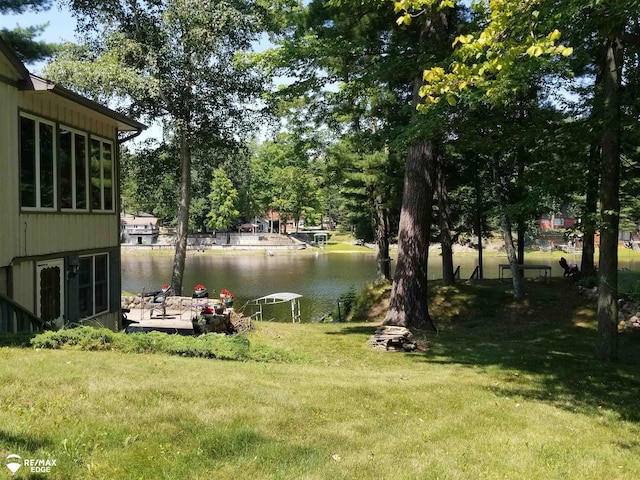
(321, 239)
(275, 298)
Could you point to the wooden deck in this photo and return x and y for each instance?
(175, 308)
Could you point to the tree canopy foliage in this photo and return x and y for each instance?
(174, 61)
(223, 198)
(504, 56)
(24, 40)
(410, 120)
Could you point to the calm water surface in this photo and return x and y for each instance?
(321, 278)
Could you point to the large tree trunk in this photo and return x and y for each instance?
(587, 267)
(408, 304)
(445, 222)
(183, 210)
(607, 338)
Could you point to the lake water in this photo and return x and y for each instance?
(321, 278)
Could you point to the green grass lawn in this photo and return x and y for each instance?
(504, 390)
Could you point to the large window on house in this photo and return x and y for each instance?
(72, 158)
(93, 285)
(37, 163)
(102, 174)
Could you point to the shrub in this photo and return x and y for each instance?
(629, 285)
(346, 301)
(20, 339)
(211, 345)
(208, 346)
(48, 339)
(85, 338)
(588, 282)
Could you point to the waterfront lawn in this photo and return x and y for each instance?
(505, 390)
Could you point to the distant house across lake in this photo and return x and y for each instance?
(139, 229)
(556, 222)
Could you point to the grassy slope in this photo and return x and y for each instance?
(504, 391)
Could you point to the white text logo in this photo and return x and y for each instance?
(34, 465)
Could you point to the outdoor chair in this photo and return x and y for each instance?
(569, 270)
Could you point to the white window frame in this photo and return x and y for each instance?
(38, 186)
(87, 180)
(113, 174)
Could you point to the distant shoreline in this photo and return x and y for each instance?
(169, 250)
(342, 248)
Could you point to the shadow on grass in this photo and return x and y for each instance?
(357, 330)
(18, 340)
(18, 443)
(241, 444)
(544, 347)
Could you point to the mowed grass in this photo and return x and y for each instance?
(504, 390)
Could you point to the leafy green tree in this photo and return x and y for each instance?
(370, 188)
(408, 305)
(198, 211)
(514, 41)
(612, 34)
(149, 180)
(206, 159)
(298, 194)
(172, 59)
(351, 208)
(21, 6)
(284, 180)
(630, 191)
(24, 40)
(606, 37)
(352, 75)
(471, 193)
(223, 198)
(491, 59)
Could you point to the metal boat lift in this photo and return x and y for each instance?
(275, 298)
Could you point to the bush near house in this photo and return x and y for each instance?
(221, 347)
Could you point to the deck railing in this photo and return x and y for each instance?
(14, 317)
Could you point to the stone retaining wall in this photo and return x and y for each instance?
(172, 302)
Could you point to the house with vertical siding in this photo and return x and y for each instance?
(59, 203)
(139, 228)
